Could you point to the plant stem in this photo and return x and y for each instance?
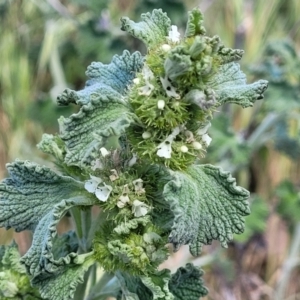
(99, 290)
(81, 289)
(75, 212)
(82, 220)
(86, 221)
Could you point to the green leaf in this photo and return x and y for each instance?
(152, 30)
(62, 284)
(158, 284)
(31, 192)
(14, 282)
(104, 114)
(152, 287)
(132, 288)
(11, 259)
(52, 145)
(229, 83)
(187, 284)
(195, 23)
(177, 65)
(64, 244)
(34, 197)
(207, 205)
(107, 80)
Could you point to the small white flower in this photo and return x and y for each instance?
(146, 135)
(104, 152)
(203, 130)
(96, 164)
(114, 175)
(138, 186)
(174, 35)
(206, 139)
(147, 73)
(139, 208)
(169, 88)
(103, 192)
(148, 76)
(189, 136)
(147, 89)
(197, 145)
(136, 80)
(133, 160)
(165, 148)
(91, 185)
(184, 149)
(123, 200)
(166, 47)
(161, 104)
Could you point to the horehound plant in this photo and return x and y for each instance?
(133, 149)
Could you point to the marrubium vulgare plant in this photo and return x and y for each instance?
(133, 149)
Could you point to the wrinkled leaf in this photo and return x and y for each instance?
(34, 197)
(187, 284)
(14, 282)
(152, 287)
(207, 205)
(152, 30)
(52, 145)
(65, 244)
(195, 23)
(230, 85)
(31, 192)
(104, 114)
(11, 258)
(62, 284)
(158, 284)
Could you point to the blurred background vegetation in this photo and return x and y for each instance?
(45, 47)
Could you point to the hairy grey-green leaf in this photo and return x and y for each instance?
(131, 286)
(230, 85)
(152, 30)
(151, 287)
(65, 244)
(228, 55)
(62, 284)
(40, 258)
(177, 64)
(104, 114)
(107, 80)
(195, 23)
(127, 226)
(207, 205)
(34, 197)
(52, 145)
(14, 282)
(187, 284)
(158, 284)
(31, 192)
(10, 259)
